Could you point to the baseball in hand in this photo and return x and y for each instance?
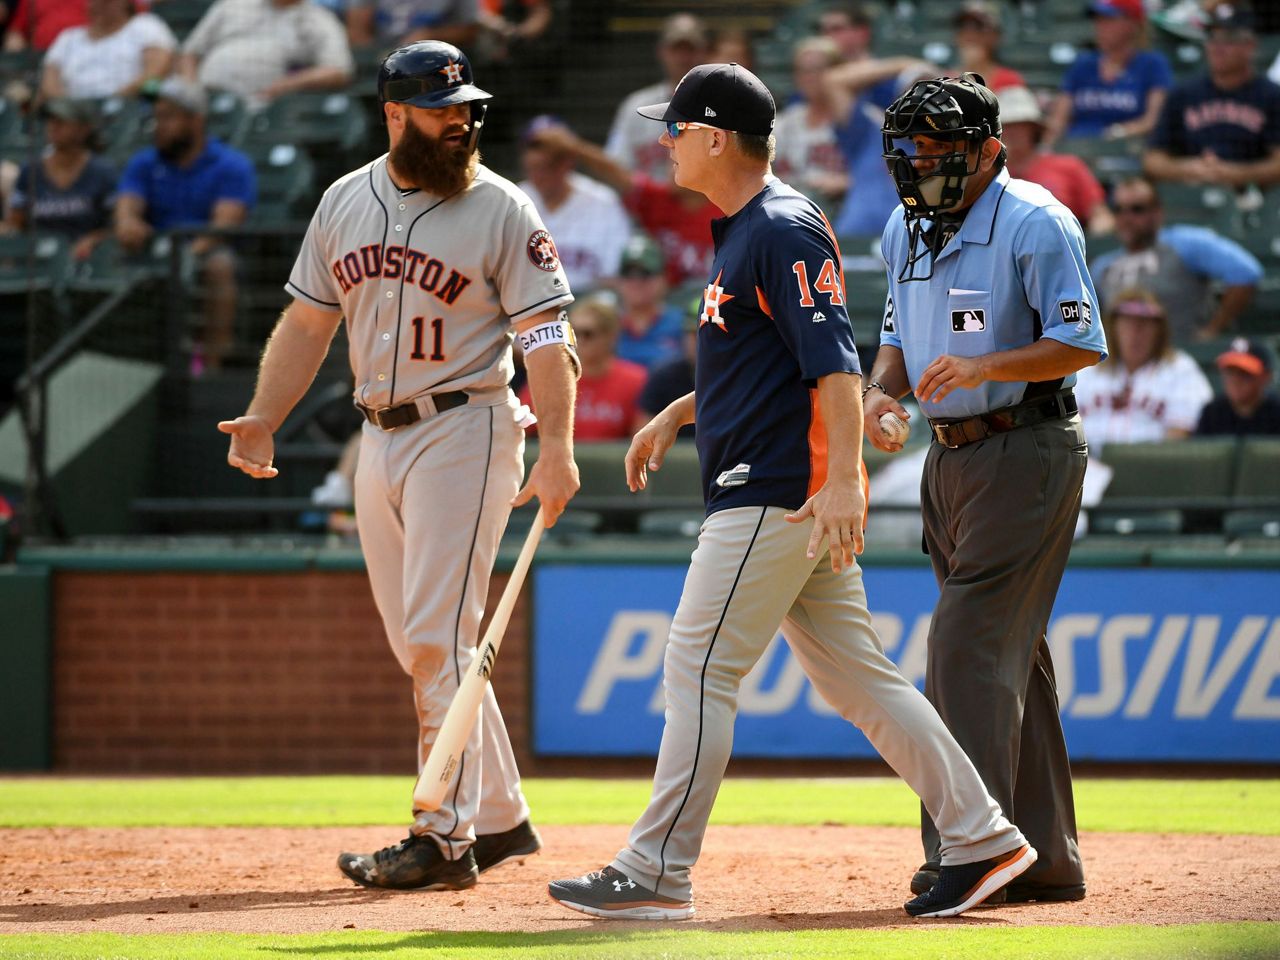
(895, 429)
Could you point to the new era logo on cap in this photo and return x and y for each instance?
(710, 112)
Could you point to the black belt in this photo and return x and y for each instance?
(957, 433)
(389, 418)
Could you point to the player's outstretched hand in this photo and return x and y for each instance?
(875, 406)
(252, 447)
(553, 480)
(648, 449)
(837, 510)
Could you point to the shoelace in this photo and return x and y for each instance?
(386, 853)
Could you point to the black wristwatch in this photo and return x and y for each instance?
(875, 385)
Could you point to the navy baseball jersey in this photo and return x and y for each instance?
(775, 306)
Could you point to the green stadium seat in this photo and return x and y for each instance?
(182, 15)
(1125, 523)
(1252, 523)
(310, 120)
(228, 117)
(110, 267)
(670, 524)
(31, 263)
(286, 177)
(1109, 159)
(1178, 473)
(1258, 479)
(678, 482)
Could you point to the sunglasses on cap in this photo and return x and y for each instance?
(676, 127)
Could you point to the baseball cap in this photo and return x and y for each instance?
(1133, 9)
(1247, 355)
(1019, 105)
(543, 121)
(683, 28)
(642, 254)
(187, 94)
(1229, 16)
(66, 108)
(977, 11)
(723, 95)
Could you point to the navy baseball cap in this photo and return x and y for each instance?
(723, 95)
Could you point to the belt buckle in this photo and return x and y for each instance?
(377, 419)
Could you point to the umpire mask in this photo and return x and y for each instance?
(955, 116)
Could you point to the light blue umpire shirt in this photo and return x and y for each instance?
(1013, 273)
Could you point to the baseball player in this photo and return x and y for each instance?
(779, 440)
(435, 262)
(990, 313)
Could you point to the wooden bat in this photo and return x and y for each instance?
(446, 753)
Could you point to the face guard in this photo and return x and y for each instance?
(930, 183)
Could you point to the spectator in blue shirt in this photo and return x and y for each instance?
(859, 91)
(1223, 128)
(650, 330)
(190, 180)
(1118, 89)
(1182, 265)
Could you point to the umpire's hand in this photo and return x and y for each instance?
(252, 446)
(875, 406)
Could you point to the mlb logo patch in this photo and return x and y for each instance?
(968, 321)
(1076, 311)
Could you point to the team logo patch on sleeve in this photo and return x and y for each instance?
(542, 251)
(968, 321)
(1076, 311)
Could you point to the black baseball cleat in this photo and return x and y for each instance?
(415, 863)
(514, 845)
(925, 877)
(611, 894)
(966, 885)
(1044, 893)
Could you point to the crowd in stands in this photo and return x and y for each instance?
(635, 246)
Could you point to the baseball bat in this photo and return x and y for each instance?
(446, 753)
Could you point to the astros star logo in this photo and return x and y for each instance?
(452, 72)
(712, 299)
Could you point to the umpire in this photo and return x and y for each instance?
(990, 313)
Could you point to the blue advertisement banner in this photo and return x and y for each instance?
(1175, 665)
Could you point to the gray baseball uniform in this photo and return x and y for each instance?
(431, 288)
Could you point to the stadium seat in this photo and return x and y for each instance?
(286, 176)
(1258, 479)
(110, 268)
(1252, 523)
(228, 117)
(1195, 472)
(678, 483)
(1130, 522)
(30, 263)
(310, 120)
(667, 524)
(182, 15)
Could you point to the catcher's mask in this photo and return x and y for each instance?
(433, 74)
(962, 113)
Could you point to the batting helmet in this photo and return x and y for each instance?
(432, 74)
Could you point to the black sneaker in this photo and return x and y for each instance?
(1042, 893)
(611, 894)
(967, 885)
(923, 879)
(495, 849)
(415, 863)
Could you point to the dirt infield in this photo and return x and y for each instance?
(275, 880)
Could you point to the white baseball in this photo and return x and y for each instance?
(895, 429)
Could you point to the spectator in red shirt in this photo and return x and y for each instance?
(1065, 176)
(978, 33)
(37, 23)
(678, 219)
(610, 387)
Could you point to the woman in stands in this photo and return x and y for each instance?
(114, 54)
(1146, 391)
(69, 190)
(1118, 89)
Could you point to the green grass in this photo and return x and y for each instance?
(1173, 806)
(952, 941)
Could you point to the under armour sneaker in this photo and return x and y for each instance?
(966, 885)
(611, 894)
(517, 844)
(415, 863)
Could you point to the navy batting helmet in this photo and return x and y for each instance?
(432, 74)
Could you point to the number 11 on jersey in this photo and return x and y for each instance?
(437, 339)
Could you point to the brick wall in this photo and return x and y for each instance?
(241, 673)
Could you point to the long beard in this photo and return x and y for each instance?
(432, 165)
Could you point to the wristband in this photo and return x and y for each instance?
(875, 385)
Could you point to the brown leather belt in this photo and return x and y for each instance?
(957, 433)
(389, 418)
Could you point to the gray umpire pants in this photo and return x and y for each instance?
(999, 516)
(748, 573)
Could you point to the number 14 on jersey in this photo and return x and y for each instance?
(828, 282)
